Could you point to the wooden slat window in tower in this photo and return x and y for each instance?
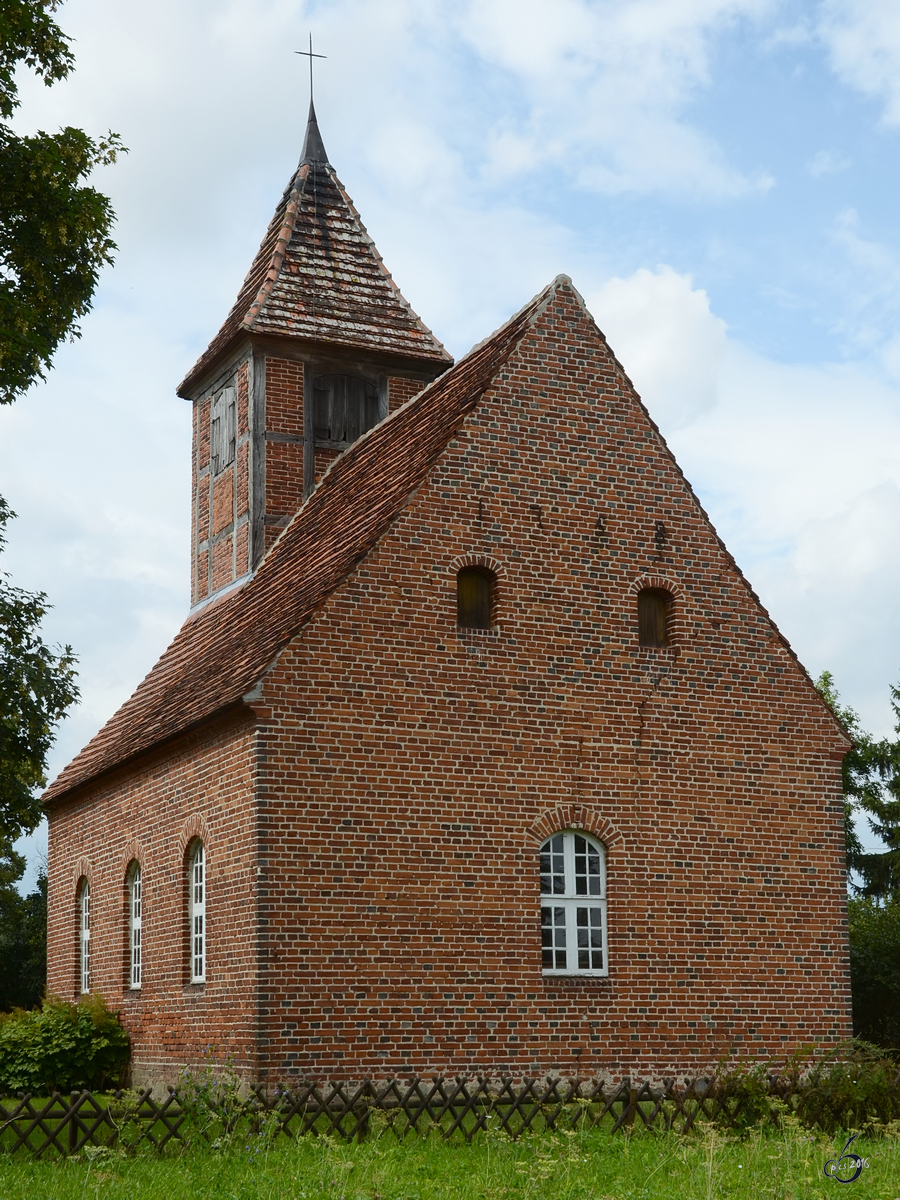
(344, 407)
(475, 587)
(84, 937)
(135, 907)
(223, 428)
(573, 905)
(653, 617)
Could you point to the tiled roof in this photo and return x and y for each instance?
(318, 276)
(222, 651)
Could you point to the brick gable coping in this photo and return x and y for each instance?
(317, 276)
(222, 651)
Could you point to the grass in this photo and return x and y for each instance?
(589, 1165)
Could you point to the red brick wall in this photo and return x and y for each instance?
(284, 457)
(401, 390)
(203, 786)
(411, 771)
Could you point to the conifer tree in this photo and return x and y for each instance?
(871, 784)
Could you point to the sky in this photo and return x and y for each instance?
(718, 177)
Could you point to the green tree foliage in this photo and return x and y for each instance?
(875, 969)
(54, 230)
(54, 240)
(62, 1047)
(23, 946)
(871, 783)
(37, 686)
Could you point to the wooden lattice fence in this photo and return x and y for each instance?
(450, 1108)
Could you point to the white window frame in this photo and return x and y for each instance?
(223, 428)
(84, 936)
(197, 912)
(135, 920)
(574, 913)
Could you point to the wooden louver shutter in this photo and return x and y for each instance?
(344, 407)
(473, 598)
(653, 612)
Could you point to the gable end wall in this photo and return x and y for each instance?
(408, 765)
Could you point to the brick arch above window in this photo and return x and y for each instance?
(83, 869)
(661, 582)
(132, 853)
(195, 826)
(676, 625)
(478, 560)
(575, 816)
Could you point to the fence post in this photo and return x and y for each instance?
(74, 1099)
(632, 1104)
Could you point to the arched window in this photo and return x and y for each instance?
(573, 906)
(135, 905)
(197, 911)
(474, 597)
(344, 407)
(653, 617)
(84, 937)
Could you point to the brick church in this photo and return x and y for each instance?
(476, 750)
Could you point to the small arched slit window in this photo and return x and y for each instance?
(344, 407)
(653, 617)
(197, 911)
(135, 910)
(573, 906)
(474, 598)
(84, 937)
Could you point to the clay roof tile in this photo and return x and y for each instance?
(318, 276)
(223, 650)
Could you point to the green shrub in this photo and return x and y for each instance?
(62, 1047)
(875, 970)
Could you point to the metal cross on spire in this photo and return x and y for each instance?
(309, 54)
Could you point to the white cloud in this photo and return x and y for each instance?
(661, 328)
(791, 36)
(470, 136)
(607, 87)
(799, 466)
(863, 40)
(827, 162)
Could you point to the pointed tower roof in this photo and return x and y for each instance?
(313, 146)
(318, 277)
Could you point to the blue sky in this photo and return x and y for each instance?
(719, 178)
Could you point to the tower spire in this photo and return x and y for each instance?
(313, 146)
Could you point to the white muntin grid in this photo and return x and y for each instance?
(573, 906)
(134, 928)
(197, 886)
(84, 937)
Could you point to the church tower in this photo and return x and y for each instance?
(319, 346)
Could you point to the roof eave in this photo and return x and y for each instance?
(52, 798)
(205, 372)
